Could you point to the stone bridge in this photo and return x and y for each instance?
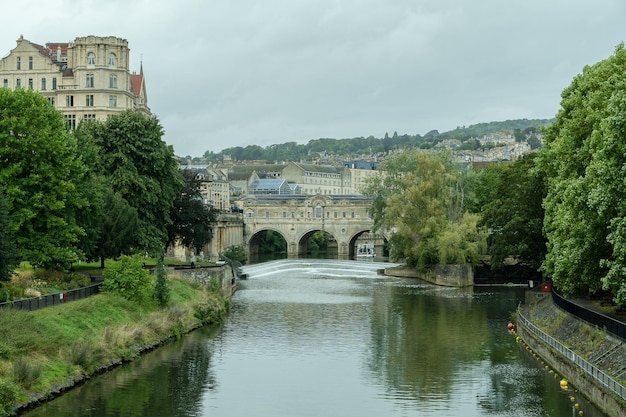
(296, 217)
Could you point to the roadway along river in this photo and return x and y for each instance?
(334, 338)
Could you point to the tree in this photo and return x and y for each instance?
(129, 279)
(192, 220)
(419, 199)
(8, 253)
(139, 166)
(585, 160)
(514, 212)
(117, 229)
(40, 170)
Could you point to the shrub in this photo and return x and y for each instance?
(161, 289)
(8, 396)
(25, 373)
(235, 253)
(128, 278)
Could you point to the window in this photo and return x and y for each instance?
(18, 83)
(51, 101)
(112, 101)
(89, 117)
(19, 63)
(43, 83)
(54, 83)
(69, 101)
(30, 62)
(6, 83)
(318, 212)
(30, 83)
(89, 80)
(89, 100)
(113, 81)
(111, 59)
(70, 120)
(91, 58)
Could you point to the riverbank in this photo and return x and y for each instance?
(594, 345)
(44, 353)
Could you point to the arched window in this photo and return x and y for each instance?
(318, 212)
(91, 58)
(111, 58)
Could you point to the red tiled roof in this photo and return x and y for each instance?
(136, 80)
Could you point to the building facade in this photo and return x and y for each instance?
(87, 79)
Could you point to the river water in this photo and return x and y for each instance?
(334, 338)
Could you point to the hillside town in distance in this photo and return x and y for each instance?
(227, 181)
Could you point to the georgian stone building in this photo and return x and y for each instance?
(86, 79)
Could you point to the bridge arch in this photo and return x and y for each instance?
(254, 240)
(303, 241)
(367, 236)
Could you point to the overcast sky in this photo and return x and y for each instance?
(224, 73)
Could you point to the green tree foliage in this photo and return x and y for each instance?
(40, 170)
(235, 253)
(419, 200)
(585, 163)
(161, 293)
(513, 211)
(128, 278)
(139, 166)
(8, 253)
(291, 151)
(192, 220)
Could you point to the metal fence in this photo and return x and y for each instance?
(36, 303)
(585, 366)
(602, 321)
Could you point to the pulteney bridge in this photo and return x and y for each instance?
(296, 217)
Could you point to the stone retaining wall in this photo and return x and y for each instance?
(223, 273)
(446, 275)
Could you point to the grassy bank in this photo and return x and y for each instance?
(47, 351)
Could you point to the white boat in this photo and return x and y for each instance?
(365, 250)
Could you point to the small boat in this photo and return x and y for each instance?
(365, 250)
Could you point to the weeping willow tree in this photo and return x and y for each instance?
(419, 198)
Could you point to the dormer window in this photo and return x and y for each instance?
(112, 59)
(91, 58)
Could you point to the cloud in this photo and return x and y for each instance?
(222, 73)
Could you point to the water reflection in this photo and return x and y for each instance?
(165, 382)
(333, 338)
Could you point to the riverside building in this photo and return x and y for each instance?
(87, 79)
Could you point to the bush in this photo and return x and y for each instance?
(8, 396)
(235, 253)
(25, 373)
(128, 278)
(161, 289)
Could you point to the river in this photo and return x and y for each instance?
(333, 338)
